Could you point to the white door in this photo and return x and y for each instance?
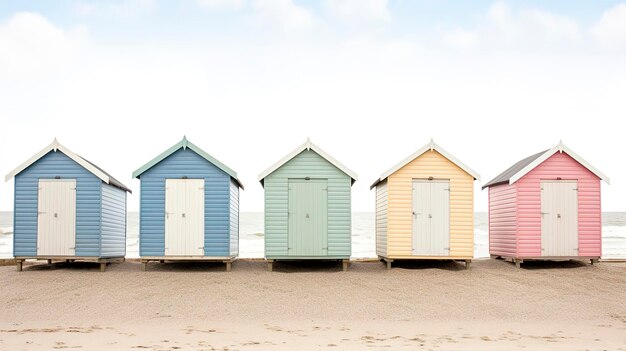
(559, 218)
(431, 218)
(184, 217)
(56, 222)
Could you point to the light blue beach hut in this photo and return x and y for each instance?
(67, 208)
(189, 207)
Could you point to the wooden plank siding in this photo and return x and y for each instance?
(217, 208)
(503, 220)
(113, 239)
(400, 198)
(381, 219)
(559, 165)
(307, 164)
(88, 204)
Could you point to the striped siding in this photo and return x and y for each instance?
(88, 204)
(529, 202)
(234, 218)
(381, 218)
(184, 163)
(503, 220)
(307, 164)
(400, 197)
(113, 239)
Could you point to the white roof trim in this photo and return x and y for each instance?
(428, 147)
(308, 145)
(560, 147)
(54, 146)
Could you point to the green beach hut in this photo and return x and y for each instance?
(307, 207)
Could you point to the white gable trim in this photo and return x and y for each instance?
(55, 146)
(560, 147)
(308, 145)
(428, 147)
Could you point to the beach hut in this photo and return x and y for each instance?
(307, 207)
(425, 208)
(189, 207)
(67, 208)
(546, 206)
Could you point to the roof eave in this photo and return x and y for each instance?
(560, 147)
(429, 147)
(308, 145)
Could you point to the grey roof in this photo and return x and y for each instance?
(116, 183)
(505, 176)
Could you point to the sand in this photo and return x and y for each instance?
(417, 306)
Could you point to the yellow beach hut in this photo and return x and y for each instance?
(425, 208)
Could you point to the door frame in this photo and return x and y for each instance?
(202, 219)
(414, 216)
(71, 251)
(306, 180)
(577, 214)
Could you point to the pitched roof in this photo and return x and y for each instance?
(308, 145)
(428, 147)
(504, 177)
(55, 146)
(184, 144)
(521, 168)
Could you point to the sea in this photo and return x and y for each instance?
(363, 235)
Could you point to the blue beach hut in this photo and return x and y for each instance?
(67, 208)
(189, 207)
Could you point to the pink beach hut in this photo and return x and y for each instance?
(546, 207)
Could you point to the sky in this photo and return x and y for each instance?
(369, 81)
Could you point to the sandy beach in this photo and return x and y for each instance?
(421, 305)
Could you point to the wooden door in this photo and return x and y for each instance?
(559, 218)
(308, 217)
(184, 217)
(56, 222)
(431, 217)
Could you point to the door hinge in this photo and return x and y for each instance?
(446, 248)
(72, 248)
(576, 249)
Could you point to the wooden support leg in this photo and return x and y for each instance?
(49, 261)
(345, 265)
(518, 263)
(388, 264)
(467, 264)
(144, 266)
(162, 261)
(228, 266)
(269, 265)
(103, 266)
(19, 265)
(594, 261)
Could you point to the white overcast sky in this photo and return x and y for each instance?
(369, 81)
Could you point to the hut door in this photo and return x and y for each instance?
(184, 217)
(431, 217)
(559, 218)
(308, 217)
(56, 222)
